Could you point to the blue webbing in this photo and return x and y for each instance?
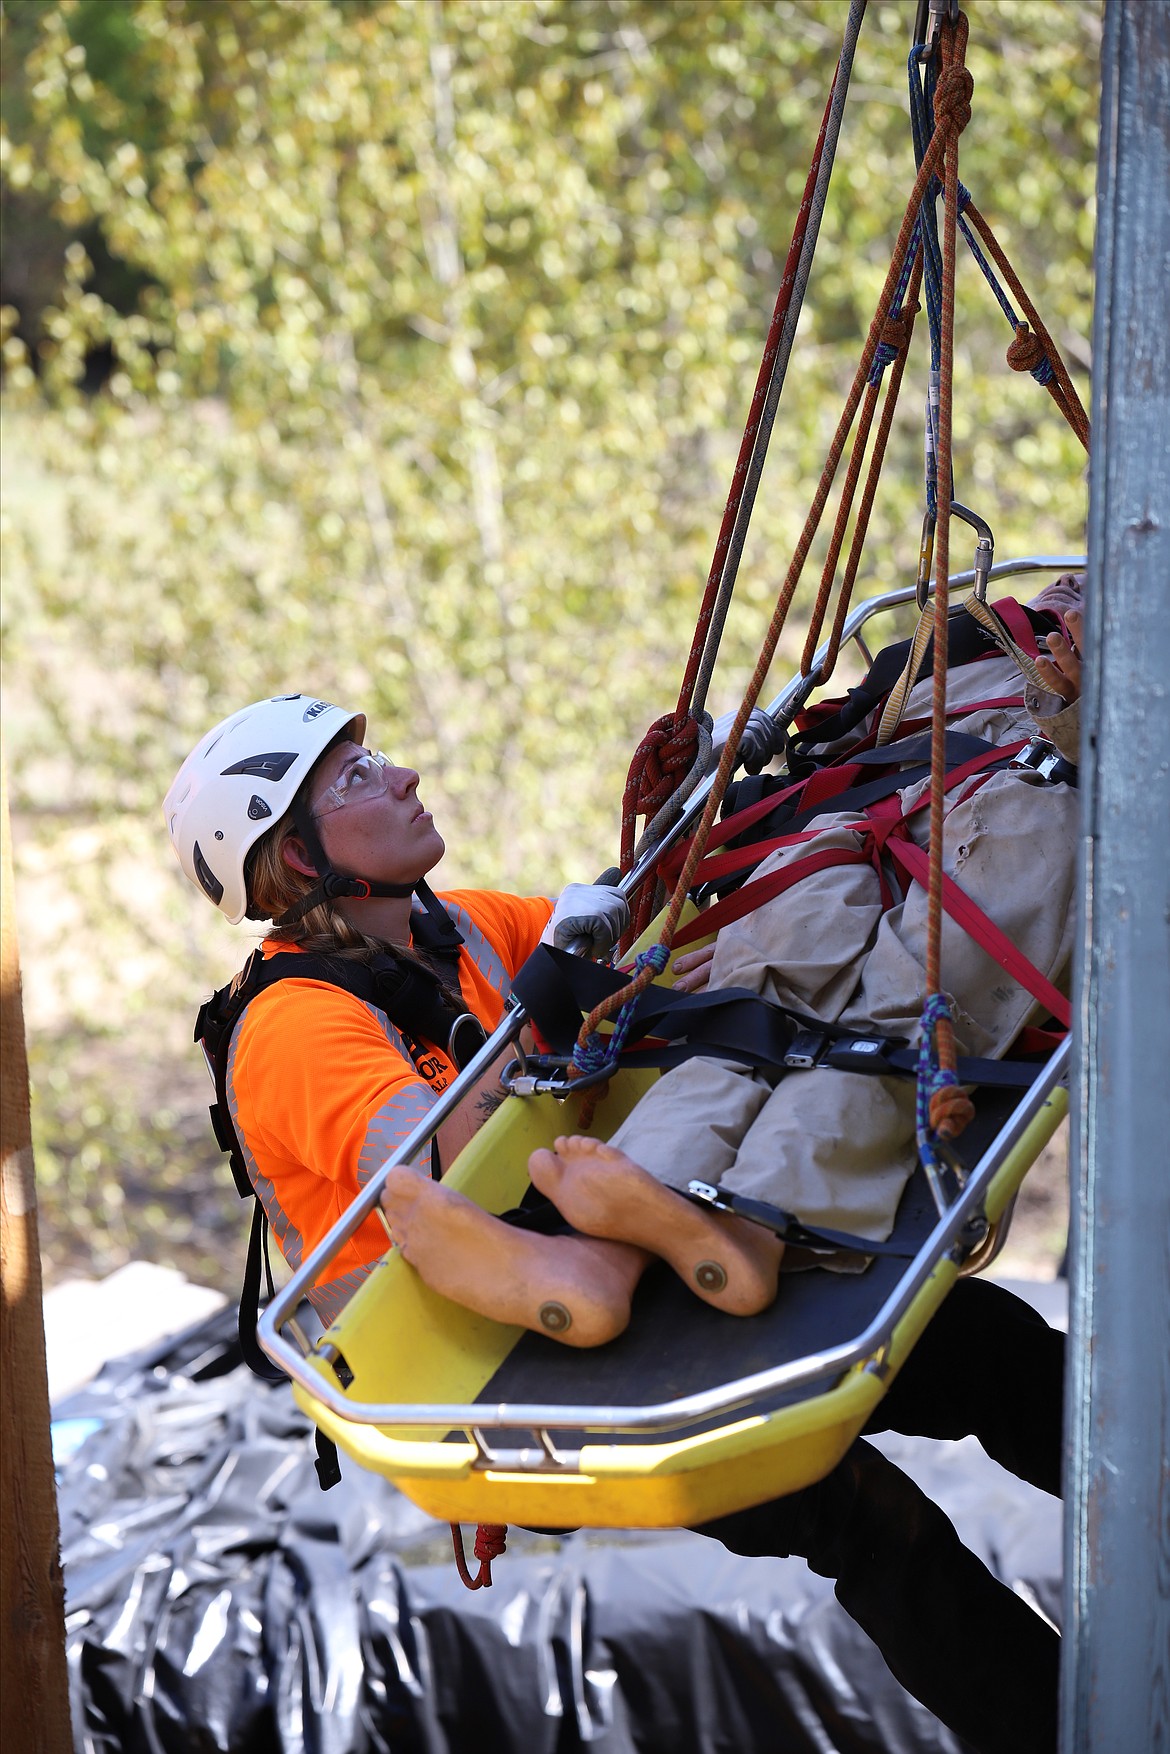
(602, 1051)
(931, 1076)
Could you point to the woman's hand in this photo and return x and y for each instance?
(692, 970)
(1061, 670)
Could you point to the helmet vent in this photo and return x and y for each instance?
(273, 766)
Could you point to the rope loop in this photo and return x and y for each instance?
(666, 753)
(1027, 354)
(597, 1051)
(491, 1539)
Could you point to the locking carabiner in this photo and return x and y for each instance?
(984, 546)
(925, 558)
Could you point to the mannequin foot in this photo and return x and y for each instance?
(724, 1260)
(575, 1289)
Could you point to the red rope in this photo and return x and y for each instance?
(491, 1539)
(641, 981)
(671, 744)
(755, 416)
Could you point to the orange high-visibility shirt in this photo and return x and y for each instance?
(323, 1086)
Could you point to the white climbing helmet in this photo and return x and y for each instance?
(239, 780)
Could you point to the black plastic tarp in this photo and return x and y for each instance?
(217, 1599)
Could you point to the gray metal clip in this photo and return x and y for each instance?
(984, 546)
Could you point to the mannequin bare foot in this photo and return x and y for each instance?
(602, 1192)
(575, 1289)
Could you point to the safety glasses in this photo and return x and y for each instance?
(369, 777)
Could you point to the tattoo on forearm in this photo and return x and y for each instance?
(488, 1101)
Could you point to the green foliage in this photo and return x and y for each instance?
(447, 326)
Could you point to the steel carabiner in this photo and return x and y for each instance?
(984, 546)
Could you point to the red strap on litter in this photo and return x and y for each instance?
(754, 895)
(985, 932)
(1018, 625)
(732, 826)
(885, 815)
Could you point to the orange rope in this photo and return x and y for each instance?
(898, 333)
(1027, 350)
(952, 110)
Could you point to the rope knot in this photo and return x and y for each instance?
(943, 1110)
(952, 98)
(665, 755)
(1026, 354)
(491, 1539)
(951, 1111)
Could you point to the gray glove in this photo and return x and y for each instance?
(760, 741)
(588, 919)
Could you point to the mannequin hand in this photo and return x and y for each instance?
(692, 970)
(1061, 670)
(759, 742)
(588, 919)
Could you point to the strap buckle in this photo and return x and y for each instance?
(1046, 761)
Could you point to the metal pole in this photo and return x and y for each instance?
(1116, 1679)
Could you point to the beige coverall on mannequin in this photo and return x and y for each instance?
(836, 1147)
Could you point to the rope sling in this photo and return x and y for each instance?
(674, 755)
(943, 106)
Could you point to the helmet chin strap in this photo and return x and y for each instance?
(333, 885)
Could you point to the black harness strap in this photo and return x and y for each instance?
(788, 1227)
(417, 1001)
(731, 1023)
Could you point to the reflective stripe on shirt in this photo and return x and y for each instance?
(480, 950)
(289, 1240)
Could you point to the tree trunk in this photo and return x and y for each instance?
(33, 1679)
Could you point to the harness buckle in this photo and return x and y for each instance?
(1047, 762)
(805, 1050)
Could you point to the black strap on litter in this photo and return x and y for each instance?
(555, 988)
(790, 1229)
(328, 1463)
(732, 1023)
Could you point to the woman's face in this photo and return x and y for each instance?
(386, 836)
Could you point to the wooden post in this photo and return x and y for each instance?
(34, 1687)
(1117, 1543)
